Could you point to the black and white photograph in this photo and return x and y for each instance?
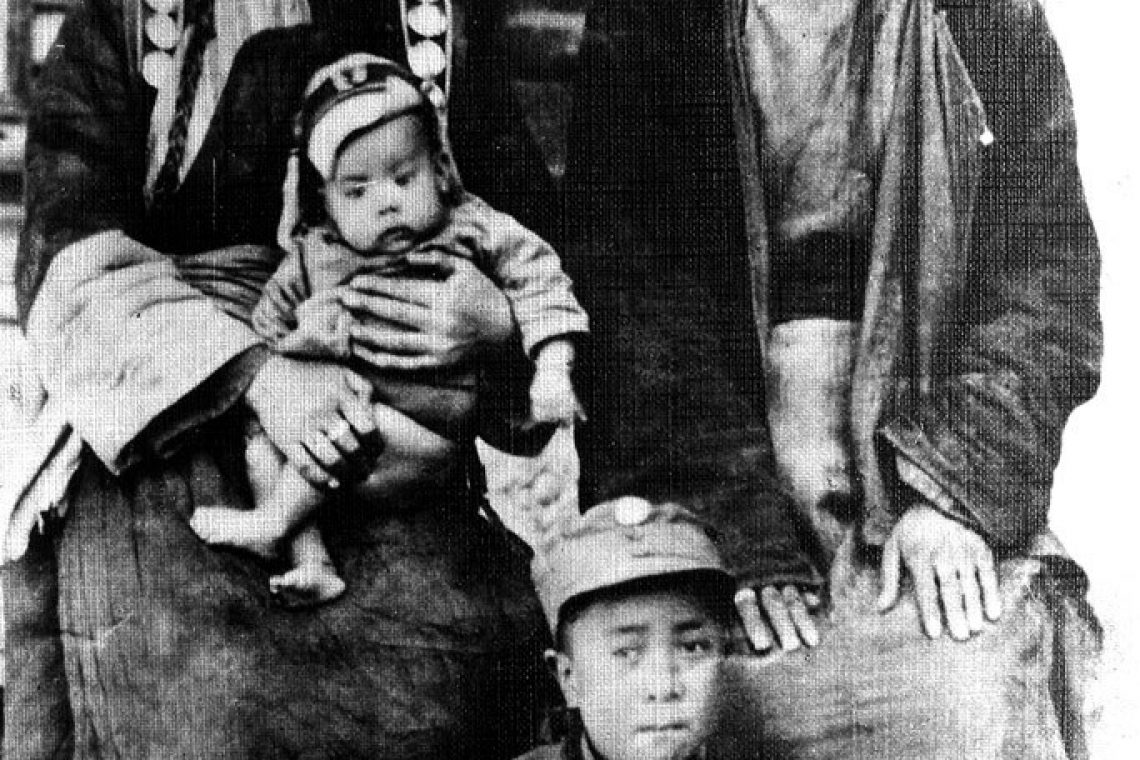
(569, 379)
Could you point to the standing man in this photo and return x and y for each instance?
(846, 243)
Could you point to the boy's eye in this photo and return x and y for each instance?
(628, 653)
(404, 178)
(697, 645)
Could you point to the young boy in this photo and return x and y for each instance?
(640, 605)
(374, 182)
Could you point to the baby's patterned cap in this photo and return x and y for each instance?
(358, 91)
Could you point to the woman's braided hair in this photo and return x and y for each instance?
(200, 16)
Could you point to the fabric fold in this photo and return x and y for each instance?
(105, 357)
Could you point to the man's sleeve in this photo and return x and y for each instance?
(1027, 335)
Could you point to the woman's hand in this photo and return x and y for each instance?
(778, 615)
(318, 415)
(952, 568)
(433, 320)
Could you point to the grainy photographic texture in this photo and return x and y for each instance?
(844, 293)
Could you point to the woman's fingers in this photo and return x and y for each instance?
(326, 455)
(751, 618)
(443, 265)
(382, 359)
(341, 435)
(300, 458)
(355, 404)
(358, 387)
(345, 445)
(355, 433)
(390, 312)
(437, 317)
(384, 294)
(384, 338)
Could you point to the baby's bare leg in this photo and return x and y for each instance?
(283, 500)
(313, 579)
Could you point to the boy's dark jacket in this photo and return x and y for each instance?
(981, 330)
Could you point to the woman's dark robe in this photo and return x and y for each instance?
(162, 647)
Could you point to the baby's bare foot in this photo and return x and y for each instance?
(238, 529)
(308, 585)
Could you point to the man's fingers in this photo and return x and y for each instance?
(890, 573)
(756, 629)
(950, 592)
(972, 599)
(926, 593)
(780, 618)
(991, 593)
(801, 618)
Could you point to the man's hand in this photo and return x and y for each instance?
(952, 568)
(782, 614)
(435, 319)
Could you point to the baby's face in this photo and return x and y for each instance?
(643, 672)
(385, 192)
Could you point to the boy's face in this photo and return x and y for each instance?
(643, 672)
(385, 192)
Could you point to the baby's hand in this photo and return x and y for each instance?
(552, 397)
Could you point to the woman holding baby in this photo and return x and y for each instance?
(155, 176)
(756, 204)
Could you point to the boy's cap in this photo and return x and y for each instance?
(355, 92)
(620, 541)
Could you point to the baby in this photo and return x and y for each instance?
(640, 606)
(373, 182)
